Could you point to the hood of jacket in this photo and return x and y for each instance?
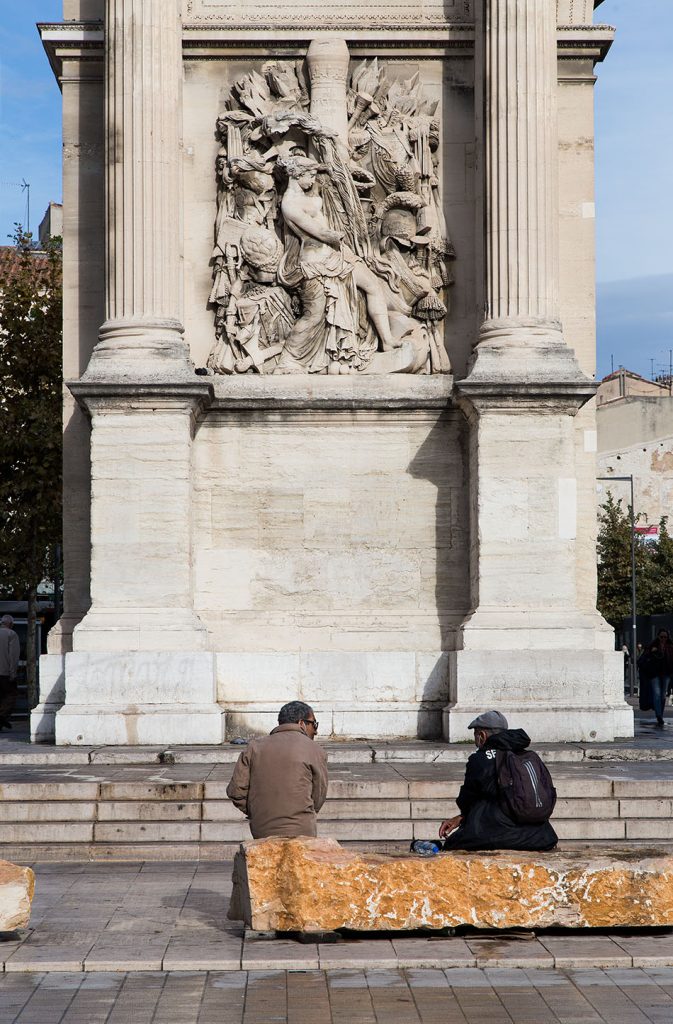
(509, 739)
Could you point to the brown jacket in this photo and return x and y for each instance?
(280, 783)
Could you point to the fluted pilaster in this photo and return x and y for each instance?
(143, 192)
(521, 165)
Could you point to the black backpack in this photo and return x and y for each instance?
(526, 788)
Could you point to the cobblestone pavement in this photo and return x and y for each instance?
(453, 996)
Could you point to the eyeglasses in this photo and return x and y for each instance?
(312, 721)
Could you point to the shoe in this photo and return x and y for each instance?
(660, 723)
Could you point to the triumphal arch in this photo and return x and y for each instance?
(329, 353)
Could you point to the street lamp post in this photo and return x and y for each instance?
(629, 480)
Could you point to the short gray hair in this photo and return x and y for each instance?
(7, 621)
(295, 711)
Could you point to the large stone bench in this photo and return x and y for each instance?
(315, 885)
(17, 886)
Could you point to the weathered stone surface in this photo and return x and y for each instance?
(17, 886)
(315, 885)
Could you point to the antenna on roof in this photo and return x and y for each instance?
(25, 187)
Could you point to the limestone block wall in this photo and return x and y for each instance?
(635, 436)
(331, 557)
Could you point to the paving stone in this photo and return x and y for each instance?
(476, 997)
(607, 998)
(349, 997)
(648, 950)
(206, 951)
(519, 999)
(358, 954)
(433, 952)
(435, 1002)
(585, 951)
(138, 998)
(278, 954)
(503, 952)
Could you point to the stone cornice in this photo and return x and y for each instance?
(83, 40)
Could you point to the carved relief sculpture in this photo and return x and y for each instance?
(331, 253)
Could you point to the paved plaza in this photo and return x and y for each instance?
(452, 996)
(125, 940)
(99, 917)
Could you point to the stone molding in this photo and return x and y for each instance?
(96, 395)
(83, 41)
(317, 393)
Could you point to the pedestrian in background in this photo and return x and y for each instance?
(9, 667)
(656, 673)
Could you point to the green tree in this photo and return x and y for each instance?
(661, 599)
(30, 424)
(614, 565)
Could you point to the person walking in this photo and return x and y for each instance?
(9, 666)
(656, 665)
(280, 780)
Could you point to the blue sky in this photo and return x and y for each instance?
(634, 164)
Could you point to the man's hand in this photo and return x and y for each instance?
(449, 825)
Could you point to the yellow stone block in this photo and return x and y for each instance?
(317, 885)
(17, 886)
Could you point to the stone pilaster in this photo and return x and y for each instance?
(143, 327)
(521, 304)
(529, 645)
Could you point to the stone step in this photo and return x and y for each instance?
(105, 810)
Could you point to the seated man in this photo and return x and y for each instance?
(485, 822)
(280, 780)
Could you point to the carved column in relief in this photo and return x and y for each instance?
(327, 61)
(521, 176)
(143, 83)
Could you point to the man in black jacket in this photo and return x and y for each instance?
(483, 823)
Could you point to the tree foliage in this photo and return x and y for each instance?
(654, 566)
(30, 419)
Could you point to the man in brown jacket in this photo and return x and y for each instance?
(280, 780)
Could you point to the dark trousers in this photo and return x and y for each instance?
(7, 696)
(660, 685)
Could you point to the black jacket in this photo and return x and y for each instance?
(486, 825)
